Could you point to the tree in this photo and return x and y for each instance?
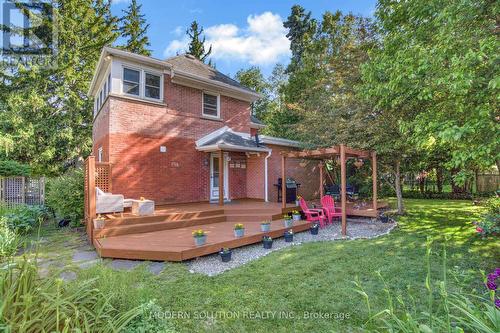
(46, 110)
(301, 29)
(197, 42)
(252, 78)
(133, 28)
(443, 87)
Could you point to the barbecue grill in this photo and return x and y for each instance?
(292, 188)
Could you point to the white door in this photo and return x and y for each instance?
(214, 177)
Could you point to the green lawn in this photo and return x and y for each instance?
(315, 277)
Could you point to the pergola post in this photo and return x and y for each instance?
(221, 178)
(321, 189)
(343, 189)
(283, 182)
(374, 179)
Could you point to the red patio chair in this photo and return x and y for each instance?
(312, 215)
(328, 205)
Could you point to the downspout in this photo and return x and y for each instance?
(266, 194)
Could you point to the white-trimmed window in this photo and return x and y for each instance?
(211, 105)
(105, 89)
(152, 85)
(99, 154)
(109, 83)
(131, 81)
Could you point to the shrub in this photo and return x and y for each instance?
(31, 304)
(65, 195)
(10, 168)
(489, 223)
(23, 218)
(9, 239)
(149, 320)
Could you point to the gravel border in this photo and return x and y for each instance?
(212, 265)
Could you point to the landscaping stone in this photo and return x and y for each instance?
(124, 265)
(68, 276)
(156, 267)
(84, 256)
(356, 228)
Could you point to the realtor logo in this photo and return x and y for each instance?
(29, 34)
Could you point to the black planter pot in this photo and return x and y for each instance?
(314, 230)
(267, 244)
(226, 256)
(384, 218)
(288, 237)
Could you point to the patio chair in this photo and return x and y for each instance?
(312, 215)
(328, 205)
(108, 202)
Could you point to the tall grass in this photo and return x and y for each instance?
(29, 303)
(447, 311)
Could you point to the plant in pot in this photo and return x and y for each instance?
(287, 221)
(200, 237)
(267, 242)
(265, 226)
(314, 229)
(297, 201)
(384, 218)
(99, 222)
(225, 254)
(288, 235)
(296, 215)
(239, 230)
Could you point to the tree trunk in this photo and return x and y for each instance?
(399, 192)
(439, 179)
(421, 183)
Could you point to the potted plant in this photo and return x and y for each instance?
(200, 237)
(265, 226)
(288, 235)
(296, 215)
(239, 230)
(225, 254)
(384, 218)
(314, 229)
(287, 220)
(99, 222)
(297, 201)
(267, 242)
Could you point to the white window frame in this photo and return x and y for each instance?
(143, 85)
(132, 68)
(203, 104)
(109, 82)
(99, 154)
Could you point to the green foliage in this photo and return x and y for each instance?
(489, 223)
(24, 218)
(65, 195)
(9, 168)
(31, 304)
(301, 29)
(133, 28)
(9, 240)
(252, 78)
(149, 320)
(197, 43)
(46, 110)
(447, 310)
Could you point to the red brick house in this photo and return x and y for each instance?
(162, 123)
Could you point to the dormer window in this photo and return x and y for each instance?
(131, 81)
(211, 107)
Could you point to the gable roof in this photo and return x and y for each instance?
(190, 64)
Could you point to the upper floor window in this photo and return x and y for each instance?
(211, 105)
(131, 81)
(109, 83)
(152, 86)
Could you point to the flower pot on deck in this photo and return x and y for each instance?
(265, 227)
(239, 233)
(99, 223)
(288, 223)
(314, 229)
(200, 240)
(384, 219)
(297, 217)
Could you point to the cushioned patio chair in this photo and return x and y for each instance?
(108, 202)
(312, 215)
(328, 205)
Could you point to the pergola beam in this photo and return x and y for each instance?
(322, 153)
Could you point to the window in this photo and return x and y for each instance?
(210, 105)
(109, 83)
(99, 154)
(131, 80)
(101, 99)
(152, 86)
(105, 89)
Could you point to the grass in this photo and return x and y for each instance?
(314, 277)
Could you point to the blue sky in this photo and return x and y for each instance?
(243, 33)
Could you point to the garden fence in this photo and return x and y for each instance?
(488, 183)
(22, 190)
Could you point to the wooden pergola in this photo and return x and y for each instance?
(329, 153)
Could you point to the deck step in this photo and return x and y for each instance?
(248, 218)
(136, 228)
(129, 219)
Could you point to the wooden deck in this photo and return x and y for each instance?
(166, 235)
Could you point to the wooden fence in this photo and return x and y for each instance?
(22, 190)
(97, 174)
(488, 183)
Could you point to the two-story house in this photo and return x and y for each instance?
(163, 123)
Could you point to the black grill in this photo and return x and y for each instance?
(292, 188)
